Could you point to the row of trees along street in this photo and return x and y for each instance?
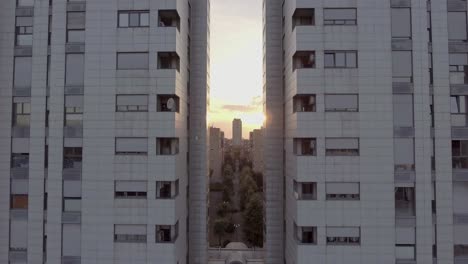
(239, 212)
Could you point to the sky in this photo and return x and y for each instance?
(236, 65)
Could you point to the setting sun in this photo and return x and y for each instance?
(236, 65)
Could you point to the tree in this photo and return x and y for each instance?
(248, 187)
(219, 228)
(253, 221)
(226, 194)
(224, 209)
(228, 172)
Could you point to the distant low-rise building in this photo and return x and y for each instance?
(216, 153)
(256, 141)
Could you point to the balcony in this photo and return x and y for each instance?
(303, 17)
(304, 60)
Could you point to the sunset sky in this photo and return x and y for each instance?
(236, 64)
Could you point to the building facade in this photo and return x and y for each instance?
(216, 154)
(256, 143)
(237, 132)
(373, 95)
(95, 131)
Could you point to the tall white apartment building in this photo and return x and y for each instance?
(100, 101)
(368, 164)
(237, 132)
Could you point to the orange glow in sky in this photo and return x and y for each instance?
(236, 65)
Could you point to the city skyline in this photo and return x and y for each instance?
(236, 38)
(114, 116)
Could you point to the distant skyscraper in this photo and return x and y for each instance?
(365, 131)
(237, 132)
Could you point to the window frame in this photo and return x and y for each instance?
(346, 110)
(345, 152)
(343, 196)
(132, 69)
(334, 54)
(138, 110)
(335, 20)
(128, 13)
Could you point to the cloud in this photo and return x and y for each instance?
(254, 106)
(239, 108)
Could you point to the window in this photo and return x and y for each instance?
(405, 252)
(460, 154)
(305, 147)
(304, 103)
(404, 201)
(23, 72)
(131, 146)
(76, 22)
(20, 160)
(461, 251)
(130, 233)
(342, 191)
(72, 157)
(402, 66)
(134, 19)
(72, 204)
(341, 59)
(18, 236)
(458, 68)
(343, 235)
(132, 61)
(167, 189)
(342, 147)
(74, 75)
(169, 18)
(403, 154)
(339, 16)
(74, 111)
(458, 109)
(131, 103)
(303, 60)
(403, 110)
(303, 17)
(457, 26)
(19, 201)
(341, 103)
(168, 60)
(25, 2)
(71, 240)
(401, 22)
(21, 111)
(167, 233)
(306, 234)
(167, 146)
(24, 31)
(131, 189)
(305, 190)
(72, 196)
(168, 103)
